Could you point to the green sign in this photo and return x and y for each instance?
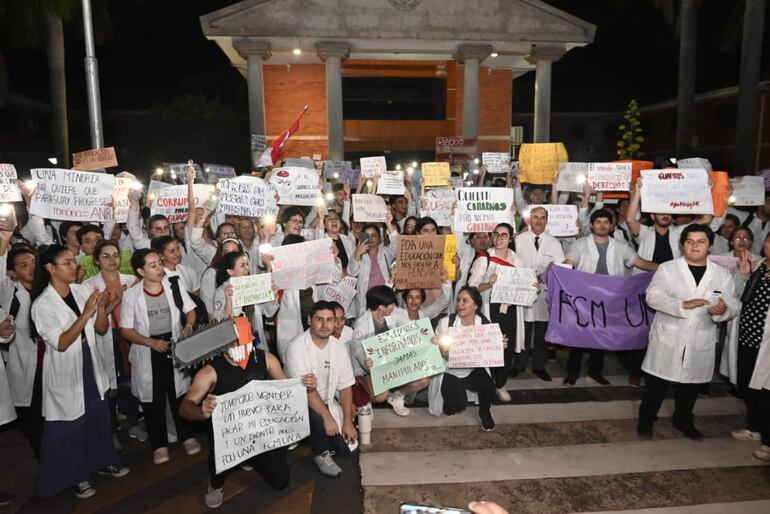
(87, 263)
(403, 355)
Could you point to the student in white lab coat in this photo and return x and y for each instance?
(7, 412)
(372, 260)
(690, 296)
(77, 437)
(209, 276)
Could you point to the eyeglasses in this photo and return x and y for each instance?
(497, 235)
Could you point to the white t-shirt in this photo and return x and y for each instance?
(321, 362)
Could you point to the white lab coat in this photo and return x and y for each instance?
(586, 256)
(267, 309)
(63, 371)
(550, 250)
(7, 410)
(683, 341)
(646, 242)
(133, 314)
(361, 269)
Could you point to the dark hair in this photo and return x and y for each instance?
(336, 188)
(227, 263)
(101, 245)
(155, 217)
(15, 252)
(65, 227)
(475, 295)
(697, 227)
(745, 229)
(221, 252)
(219, 228)
(406, 292)
(292, 239)
(372, 226)
(159, 244)
(86, 229)
(732, 217)
(406, 220)
(321, 305)
(393, 198)
(511, 234)
(290, 212)
(379, 295)
(46, 255)
(423, 222)
(601, 213)
(336, 306)
(137, 259)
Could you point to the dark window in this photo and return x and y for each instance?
(577, 131)
(612, 132)
(648, 127)
(393, 98)
(725, 115)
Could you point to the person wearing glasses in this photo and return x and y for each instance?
(77, 437)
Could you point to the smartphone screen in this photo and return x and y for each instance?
(364, 238)
(417, 508)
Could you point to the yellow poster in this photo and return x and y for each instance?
(450, 249)
(435, 174)
(539, 162)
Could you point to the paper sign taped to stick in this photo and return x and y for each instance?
(402, 355)
(562, 219)
(572, 176)
(217, 172)
(437, 204)
(341, 292)
(261, 416)
(496, 162)
(9, 192)
(476, 346)
(676, 192)
(450, 249)
(514, 286)
(296, 186)
(539, 162)
(609, 176)
(96, 159)
(372, 166)
(72, 195)
(419, 262)
(172, 201)
(391, 183)
(369, 209)
(246, 196)
(435, 174)
(252, 289)
(301, 265)
(748, 191)
(694, 163)
(481, 209)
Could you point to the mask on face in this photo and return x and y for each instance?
(240, 351)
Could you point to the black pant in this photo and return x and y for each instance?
(155, 411)
(31, 418)
(453, 391)
(761, 404)
(632, 360)
(655, 389)
(272, 465)
(747, 358)
(507, 324)
(575, 360)
(321, 442)
(534, 341)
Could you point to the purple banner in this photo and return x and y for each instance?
(597, 311)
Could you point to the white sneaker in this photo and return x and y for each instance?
(214, 497)
(326, 465)
(503, 395)
(137, 433)
(396, 400)
(84, 490)
(763, 453)
(745, 435)
(191, 446)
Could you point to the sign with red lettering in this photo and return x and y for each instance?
(172, 201)
(455, 150)
(96, 159)
(609, 176)
(72, 195)
(676, 191)
(480, 209)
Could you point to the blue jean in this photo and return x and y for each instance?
(321, 442)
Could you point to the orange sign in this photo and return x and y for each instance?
(96, 159)
(720, 185)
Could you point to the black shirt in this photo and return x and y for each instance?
(662, 252)
(697, 272)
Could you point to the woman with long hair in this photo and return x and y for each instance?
(208, 278)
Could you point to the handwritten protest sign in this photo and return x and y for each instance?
(261, 416)
(341, 292)
(369, 208)
(402, 355)
(435, 174)
(694, 163)
(336, 170)
(476, 346)
(456, 150)
(296, 186)
(562, 219)
(450, 249)
(246, 196)
(373, 166)
(91, 270)
(514, 286)
(172, 201)
(178, 171)
(676, 191)
(217, 172)
(572, 176)
(351, 177)
(154, 187)
(252, 289)
(299, 162)
(437, 204)
(419, 262)
(748, 190)
(496, 162)
(480, 209)
(609, 176)
(9, 192)
(301, 265)
(96, 159)
(539, 162)
(391, 183)
(258, 145)
(120, 199)
(72, 195)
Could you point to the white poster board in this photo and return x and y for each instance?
(369, 209)
(246, 196)
(694, 163)
(172, 201)
(155, 186)
(9, 192)
(572, 176)
(120, 199)
(372, 166)
(252, 289)
(562, 219)
(496, 162)
(476, 346)
(391, 183)
(676, 191)
(335, 170)
(609, 176)
(301, 265)
(481, 209)
(296, 186)
(70, 195)
(261, 416)
(514, 286)
(437, 204)
(341, 292)
(748, 191)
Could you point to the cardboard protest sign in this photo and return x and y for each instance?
(391, 183)
(572, 176)
(96, 159)
(437, 204)
(514, 286)
(9, 192)
(450, 249)
(91, 270)
(72, 195)
(676, 192)
(341, 292)
(296, 186)
(476, 346)
(369, 208)
(539, 162)
(748, 190)
(261, 416)
(694, 163)
(435, 174)
(481, 209)
(302, 265)
(178, 171)
(335, 170)
(252, 289)
(609, 176)
(120, 199)
(562, 219)
(373, 166)
(154, 187)
(172, 201)
(496, 162)
(246, 196)
(419, 262)
(402, 355)
(217, 172)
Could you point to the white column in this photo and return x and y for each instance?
(543, 59)
(471, 57)
(254, 52)
(333, 54)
